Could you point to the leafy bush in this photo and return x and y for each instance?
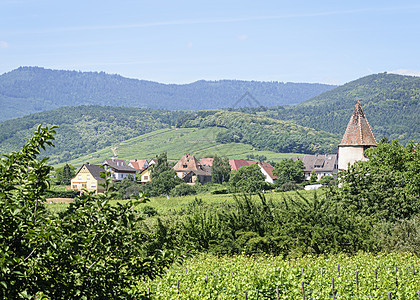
(92, 250)
(61, 194)
(183, 189)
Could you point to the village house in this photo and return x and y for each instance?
(192, 171)
(321, 164)
(119, 169)
(89, 178)
(138, 164)
(357, 138)
(236, 164)
(146, 175)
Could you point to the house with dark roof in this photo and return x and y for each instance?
(119, 169)
(357, 138)
(321, 164)
(192, 171)
(89, 178)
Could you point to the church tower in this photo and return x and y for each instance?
(357, 138)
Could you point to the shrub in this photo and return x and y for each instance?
(183, 189)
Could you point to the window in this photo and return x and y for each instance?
(75, 186)
(88, 177)
(93, 184)
(84, 185)
(80, 177)
(145, 177)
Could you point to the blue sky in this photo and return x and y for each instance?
(184, 41)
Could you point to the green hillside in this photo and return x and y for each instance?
(91, 133)
(201, 142)
(84, 129)
(32, 89)
(391, 103)
(262, 133)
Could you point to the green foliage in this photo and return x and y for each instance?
(314, 178)
(386, 186)
(85, 129)
(164, 179)
(91, 250)
(327, 180)
(220, 170)
(390, 102)
(288, 170)
(402, 236)
(259, 276)
(248, 179)
(127, 187)
(183, 189)
(291, 228)
(265, 133)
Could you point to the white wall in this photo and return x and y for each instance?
(349, 154)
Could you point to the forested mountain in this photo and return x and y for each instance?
(32, 89)
(391, 104)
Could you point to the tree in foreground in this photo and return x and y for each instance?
(387, 186)
(92, 250)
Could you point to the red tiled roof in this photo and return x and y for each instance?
(268, 168)
(138, 163)
(187, 163)
(235, 164)
(207, 161)
(358, 132)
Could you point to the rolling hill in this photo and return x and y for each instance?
(85, 130)
(201, 142)
(391, 103)
(32, 89)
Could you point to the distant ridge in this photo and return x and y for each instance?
(391, 102)
(33, 89)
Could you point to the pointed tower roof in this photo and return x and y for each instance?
(358, 132)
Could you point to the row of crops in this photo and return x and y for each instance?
(364, 276)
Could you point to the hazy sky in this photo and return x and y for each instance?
(184, 41)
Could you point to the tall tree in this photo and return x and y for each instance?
(386, 186)
(248, 179)
(220, 170)
(288, 170)
(164, 178)
(67, 174)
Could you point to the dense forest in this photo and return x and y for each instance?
(391, 104)
(31, 89)
(263, 133)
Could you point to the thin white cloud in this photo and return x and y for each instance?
(209, 21)
(189, 44)
(406, 72)
(242, 37)
(4, 45)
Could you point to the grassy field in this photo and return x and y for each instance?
(176, 142)
(171, 205)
